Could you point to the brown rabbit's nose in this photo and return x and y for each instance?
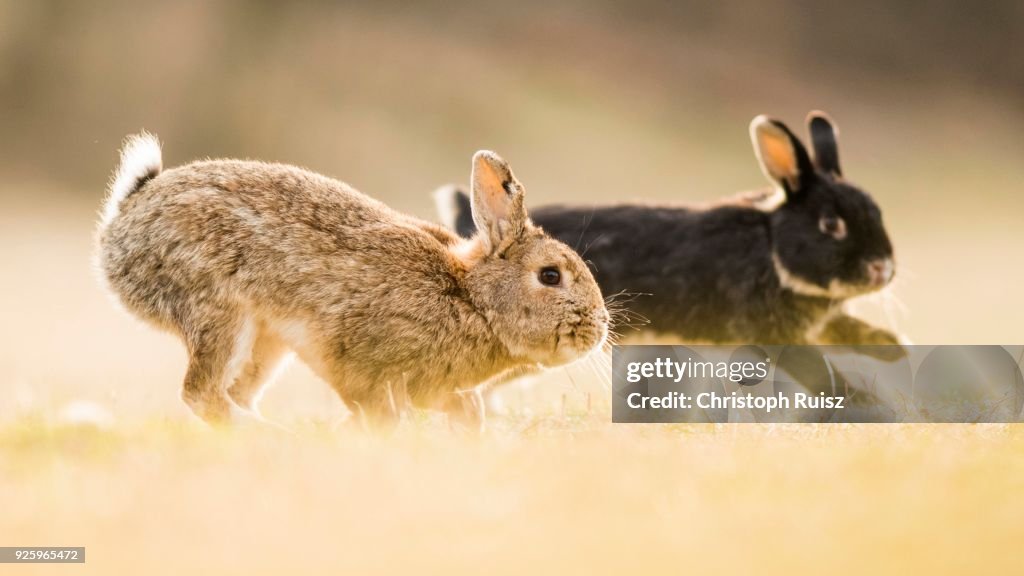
(880, 271)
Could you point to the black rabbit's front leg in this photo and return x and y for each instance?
(845, 330)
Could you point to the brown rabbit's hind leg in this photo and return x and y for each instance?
(268, 357)
(218, 351)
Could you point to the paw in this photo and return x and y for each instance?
(881, 337)
(244, 399)
(883, 345)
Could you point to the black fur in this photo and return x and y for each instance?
(463, 225)
(702, 275)
(707, 275)
(823, 140)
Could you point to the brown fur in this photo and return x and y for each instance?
(246, 261)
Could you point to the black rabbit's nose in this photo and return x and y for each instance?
(880, 271)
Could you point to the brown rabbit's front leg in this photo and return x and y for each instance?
(379, 405)
(467, 409)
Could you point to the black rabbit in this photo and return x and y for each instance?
(738, 271)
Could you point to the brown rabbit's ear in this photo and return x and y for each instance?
(783, 158)
(497, 200)
(824, 141)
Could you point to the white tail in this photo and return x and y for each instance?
(455, 210)
(446, 201)
(141, 160)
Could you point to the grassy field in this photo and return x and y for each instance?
(569, 495)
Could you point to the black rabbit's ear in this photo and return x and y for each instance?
(825, 141)
(497, 200)
(455, 209)
(783, 158)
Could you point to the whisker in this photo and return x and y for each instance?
(586, 224)
(591, 243)
(602, 376)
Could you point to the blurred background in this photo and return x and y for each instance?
(589, 101)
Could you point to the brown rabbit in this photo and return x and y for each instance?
(247, 261)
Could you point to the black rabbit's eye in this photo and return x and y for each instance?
(549, 276)
(834, 226)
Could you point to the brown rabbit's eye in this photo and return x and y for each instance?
(834, 226)
(550, 276)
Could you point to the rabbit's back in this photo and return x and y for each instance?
(278, 234)
(705, 274)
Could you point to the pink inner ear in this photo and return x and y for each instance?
(497, 202)
(779, 155)
(488, 187)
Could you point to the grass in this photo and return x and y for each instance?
(554, 495)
